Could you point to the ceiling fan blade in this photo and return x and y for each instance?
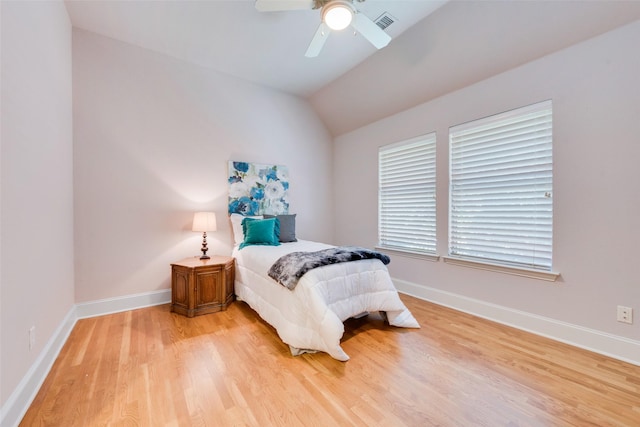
(322, 33)
(370, 31)
(278, 5)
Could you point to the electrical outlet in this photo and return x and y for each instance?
(625, 314)
(32, 337)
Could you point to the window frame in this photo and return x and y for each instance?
(426, 234)
(466, 239)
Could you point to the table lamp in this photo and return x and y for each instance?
(204, 221)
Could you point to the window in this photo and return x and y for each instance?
(406, 195)
(501, 209)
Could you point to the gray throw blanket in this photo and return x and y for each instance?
(288, 269)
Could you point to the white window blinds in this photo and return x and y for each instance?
(406, 195)
(501, 209)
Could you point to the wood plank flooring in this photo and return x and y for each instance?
(150, 367)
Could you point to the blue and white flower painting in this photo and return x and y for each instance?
(256, 189)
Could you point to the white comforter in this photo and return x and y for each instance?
(310, 317)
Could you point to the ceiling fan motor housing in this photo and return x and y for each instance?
(319, 4)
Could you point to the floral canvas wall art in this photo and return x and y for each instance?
(256, 189)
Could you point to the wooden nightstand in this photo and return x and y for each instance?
(202, 286)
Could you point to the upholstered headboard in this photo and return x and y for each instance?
(256, 189)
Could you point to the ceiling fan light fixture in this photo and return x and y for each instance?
(337, 15)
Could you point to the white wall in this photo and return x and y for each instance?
(37, 191)
(152, 138)
(595, 89)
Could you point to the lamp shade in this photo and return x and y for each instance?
(204, 221)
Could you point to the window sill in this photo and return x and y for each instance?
(408, 254)
(516, 271)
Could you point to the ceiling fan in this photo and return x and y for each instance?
(336, 15)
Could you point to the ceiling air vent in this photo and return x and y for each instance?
(385, 20)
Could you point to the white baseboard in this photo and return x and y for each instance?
(610, 345)
(16, 406)
(125, 303)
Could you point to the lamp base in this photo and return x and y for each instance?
(204, 247)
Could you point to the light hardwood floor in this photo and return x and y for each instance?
(150, 367)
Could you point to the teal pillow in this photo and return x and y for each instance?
(260, 232)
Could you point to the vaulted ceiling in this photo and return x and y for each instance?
(233, 37)
(437, 47)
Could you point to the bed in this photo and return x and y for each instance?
(310, 317)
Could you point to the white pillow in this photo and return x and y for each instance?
(236, 225)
